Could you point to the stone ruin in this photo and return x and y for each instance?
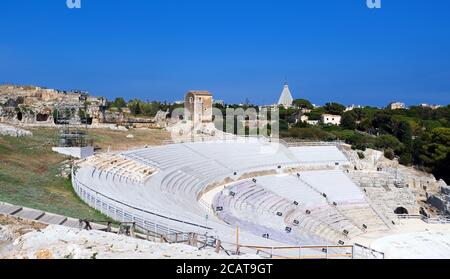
(36, 105)
(161, 118)
(397, 186)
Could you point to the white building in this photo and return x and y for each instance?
(313, 122)
(304, 118)
(430, 106)
(286, 99)
(331, 119)
(397, 105)
(352, 107)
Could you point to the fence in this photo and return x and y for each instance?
(158, 223)
(303, 252)
(428, 220)
(356, 251)
(363, 252)
(202, 138)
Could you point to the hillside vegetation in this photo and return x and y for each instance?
(418, 136)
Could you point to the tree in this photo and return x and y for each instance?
(316, 113)
(119, 102)
(389, 142)
(348, 121)
(334, 108)
(359, 113)
(366, 126)
(441, 136)
(150, 109)
(404, 133)
(311, 133)
(418, 144)
(284, 126)
(357, 141)
(135, 107)
(405, 159)
(442, 169)
(303, 104)
(382, 122)
(435, 153)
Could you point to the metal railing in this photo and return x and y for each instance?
(153, 229)
(303, 252)
(298, 143)
(355, 251)
(363, 252)
(203, 138)
(428, 220)
(123, 212)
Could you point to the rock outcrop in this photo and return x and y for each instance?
(397, 186)
(6, 130)
(441, 200)
(36, 105)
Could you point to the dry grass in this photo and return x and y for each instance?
(117, 140)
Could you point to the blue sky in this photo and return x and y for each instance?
(329, 50)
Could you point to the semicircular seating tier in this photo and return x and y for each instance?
(281, 195)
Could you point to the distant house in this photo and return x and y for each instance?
(430, 106)
(331, 119)
(396, 105)
(352, 107)
(313, 122)
(304, 118)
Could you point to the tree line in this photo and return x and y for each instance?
(418, 136)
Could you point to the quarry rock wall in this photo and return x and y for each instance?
(396, 186)
(441, 200)
(35, 105)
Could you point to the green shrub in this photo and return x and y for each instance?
(311, 133)
(388, 141)
(405, 159)
(389, 153)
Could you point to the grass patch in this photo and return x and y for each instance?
(29, 176)
(30, 170)
(117, 140)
